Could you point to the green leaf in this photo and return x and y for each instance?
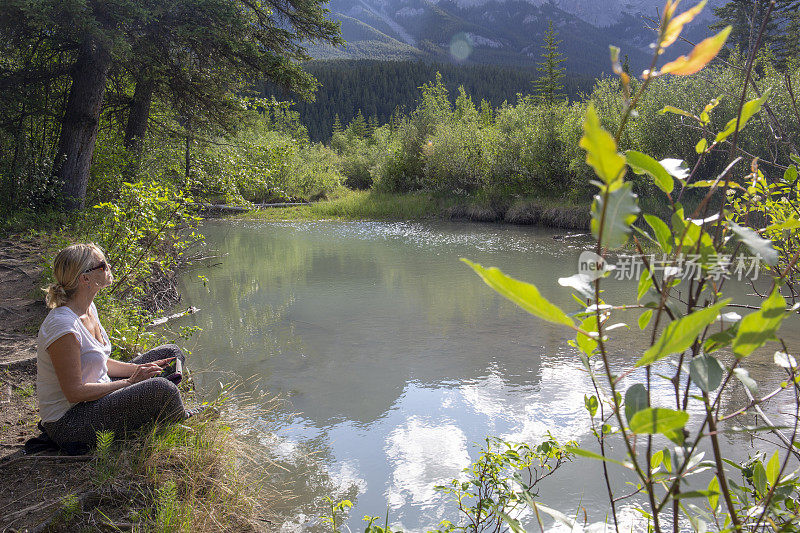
(676, 24)
(712, 183)
(760, 477)
(662, 232)
(713, 496)
(756, 244)
(644, 319)
(720, 339)
(681, 333)
(513, 523)
(644, 164)
(656, 459)
(667, 460)
(676, 111)
(523, 294)
(744, 376)
(773, 469)
(601, 149)
(591, 404)
(619, 215)
(701, 146)
(592, 455)
(706, 372)
(635, 400)
(678, 436)
(788, 224)
(699, 56)
(790, 175)
(695, 494)
(750, 108)
(586, 344)
(658, 420)
(645, 282)
(760, 326)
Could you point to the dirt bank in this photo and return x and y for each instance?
(21, 311)
(31, 488)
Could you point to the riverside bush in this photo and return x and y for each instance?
(260, 163)
(530, 149)
(361, 156)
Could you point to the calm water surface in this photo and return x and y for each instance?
(397, 359)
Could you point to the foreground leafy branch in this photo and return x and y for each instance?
(692, 324)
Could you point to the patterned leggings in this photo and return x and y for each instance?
(125, 409)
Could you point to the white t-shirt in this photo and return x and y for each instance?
(94, 354)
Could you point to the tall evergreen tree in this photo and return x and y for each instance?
(747, 16)
(337, 124)
(549, 86)
(372, 125)
(789, 45)
(358, 126)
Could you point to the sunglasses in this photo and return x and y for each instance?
(103, 264)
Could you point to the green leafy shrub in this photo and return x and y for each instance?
(145, 234)
(260, 164)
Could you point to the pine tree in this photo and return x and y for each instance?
(747, 16)
(372, 125)
(396, 119)
(549, 86)
(358, 126)
(486, 113)
(789, 44)
(337, 124)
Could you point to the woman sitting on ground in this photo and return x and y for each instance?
(80, 389)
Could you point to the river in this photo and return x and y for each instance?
(395, 360)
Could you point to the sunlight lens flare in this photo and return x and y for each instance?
(461, 46)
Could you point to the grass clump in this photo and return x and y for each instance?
(357, 205)
(551, 214)
(183, 477)
(360, 204)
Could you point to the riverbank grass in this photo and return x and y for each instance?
(184, 477)
(360, 205)
(355, 205)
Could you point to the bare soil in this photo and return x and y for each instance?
(21, 312)
(32, 488)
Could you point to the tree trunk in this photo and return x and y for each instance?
(136, 128)
(81, 121)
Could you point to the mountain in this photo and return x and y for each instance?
(608, 12)
(503, 32)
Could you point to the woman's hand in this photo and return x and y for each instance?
(164, 362)
(143, 372)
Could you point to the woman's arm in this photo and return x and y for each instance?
(65, 353)
(118, 369)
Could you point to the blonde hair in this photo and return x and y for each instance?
(68, 265)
